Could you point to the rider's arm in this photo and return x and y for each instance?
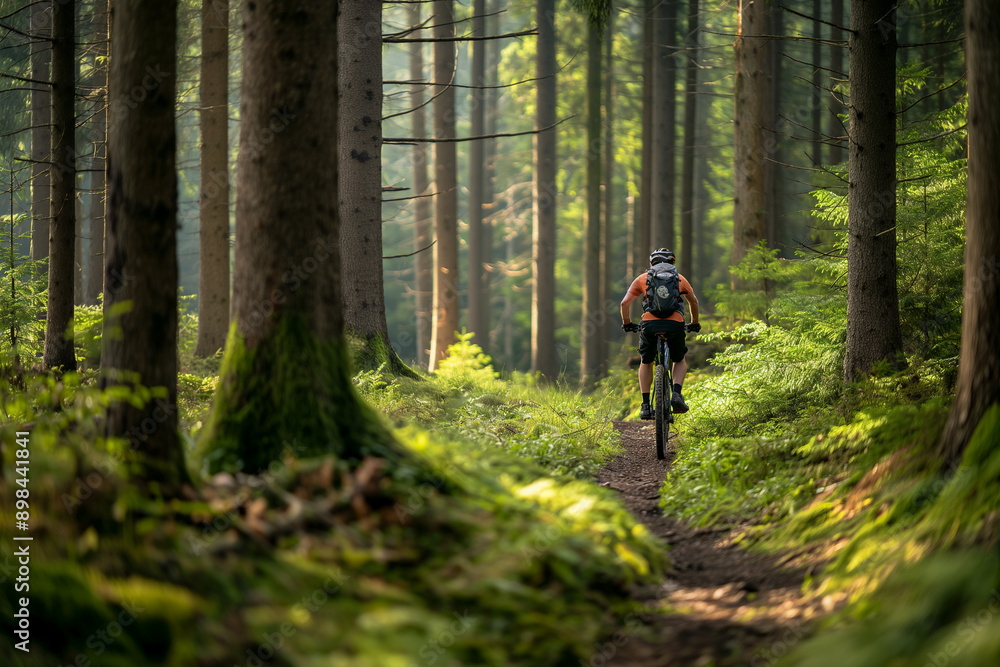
(626, 317)
(693, 304)
(634, 290)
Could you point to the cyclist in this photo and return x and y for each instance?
(672, 327)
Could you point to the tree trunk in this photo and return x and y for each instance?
(644, 224)
(59, 352)
(978, 387)
(99, 132)
(873, 332)
(78, 258)
(479, 308)
(285, 384)
(753, 95)
(140, 343)
(423, 231)
(593, 315)
(543, 231)
(445, 167)
(41, 130)
(690, 116)
(360, 149)
(664, 125)
(213, 224)
(817, 81)
(837, 65)
(494, 26)
(607, 241)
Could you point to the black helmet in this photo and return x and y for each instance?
(661, 255)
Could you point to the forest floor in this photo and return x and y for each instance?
(726, 606)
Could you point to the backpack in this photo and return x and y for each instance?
(663, 291)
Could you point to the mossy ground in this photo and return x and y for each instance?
(471, 546)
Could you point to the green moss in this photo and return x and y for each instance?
(292, 392)
(374, 352)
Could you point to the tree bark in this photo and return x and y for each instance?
(140, 341)
(837, 65)
(593, 315)
(873, 332)
(664, 125)
(643, 233)
(99, 132)
(607, 260)
(978, 387)
(41, 129)
(817, 81)
(213, 223)
(360, 149)
(754, 96)
(423, 230)
(479, 308)
(285, 384)
(543, 231)
(446, 208)
(690, 116)
(59, 352)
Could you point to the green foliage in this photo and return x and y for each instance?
(561, 428)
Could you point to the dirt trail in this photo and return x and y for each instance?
(735, 608)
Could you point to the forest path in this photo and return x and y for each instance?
(735, 608)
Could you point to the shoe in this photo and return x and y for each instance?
(677, 404)
(646, 411)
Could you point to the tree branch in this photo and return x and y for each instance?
(433, 140)
(406, 40)
(410, 254)
(813, 18)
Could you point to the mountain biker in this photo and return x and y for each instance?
(672, 326)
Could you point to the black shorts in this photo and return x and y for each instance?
(674, 331)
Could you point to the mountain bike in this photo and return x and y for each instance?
(662, 386)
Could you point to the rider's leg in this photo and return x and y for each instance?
(645, 377)
(680, 369)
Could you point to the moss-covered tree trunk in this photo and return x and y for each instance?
(140, 336)
(979, 367)
(873, 333)
(285, 381)
(360, 128)
(213, 223)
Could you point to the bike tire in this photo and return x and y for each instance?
(660, 402)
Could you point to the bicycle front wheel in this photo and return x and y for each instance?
(660, 409)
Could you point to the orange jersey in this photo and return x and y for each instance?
(638, 288)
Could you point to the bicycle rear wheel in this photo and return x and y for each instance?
(660, 410)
